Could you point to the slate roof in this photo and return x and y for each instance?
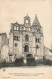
(36, 21)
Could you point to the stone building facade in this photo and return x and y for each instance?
(26, 40)
(3, 45)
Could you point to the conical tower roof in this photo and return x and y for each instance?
(36, 21)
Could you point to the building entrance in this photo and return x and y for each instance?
(30, 59)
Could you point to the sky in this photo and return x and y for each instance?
(15, 10)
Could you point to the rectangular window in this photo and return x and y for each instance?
(36, 39)
(26, 38)
(15, 44)
(16, 38)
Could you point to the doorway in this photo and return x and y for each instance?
(26, 48)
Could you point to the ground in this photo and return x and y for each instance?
(36, 72)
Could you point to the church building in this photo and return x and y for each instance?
(26, 40)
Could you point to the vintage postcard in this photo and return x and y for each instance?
(26, 39)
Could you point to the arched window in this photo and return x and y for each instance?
(24, 28)
(14, 27)
(38, 30)
(17, 28)
(37, 40)
(26, 48)
(26, 21)
(37, 46)
(26, 38)
(29, 29)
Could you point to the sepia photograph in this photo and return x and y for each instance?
(26, 39)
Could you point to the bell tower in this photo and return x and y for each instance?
(27, 19)
(39, 38)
